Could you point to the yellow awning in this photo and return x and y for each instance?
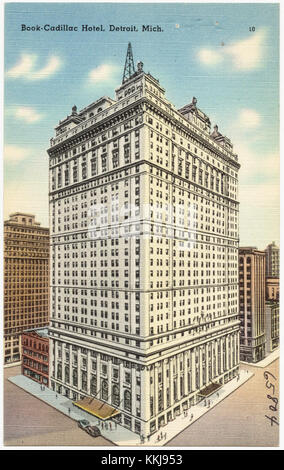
(97, 408)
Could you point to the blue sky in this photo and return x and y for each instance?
(205, 50)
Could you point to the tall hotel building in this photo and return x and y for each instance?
(26, 280)
(144, 254)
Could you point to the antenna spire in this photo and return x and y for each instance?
(129, 69)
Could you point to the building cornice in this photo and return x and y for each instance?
(190, 131)
(111, 120)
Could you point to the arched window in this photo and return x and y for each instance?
(93, 385)
(115, 395)
(104, 390)
(127, 400)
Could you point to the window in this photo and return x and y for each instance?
(93, 387)
(115, 395)
(93, 166)
(84, 170)
(104, 162)
(127, 400)
(75, 377)
(127, 153)
(115, 160)
(104, 390)
(75, 173)
(67, 374)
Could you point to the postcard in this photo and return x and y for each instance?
(141, 227)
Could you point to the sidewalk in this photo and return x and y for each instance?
(120, 435)
(63, 404)
(266, 361)
(195, 412)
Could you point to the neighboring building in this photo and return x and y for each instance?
(271, 325)
(272, 298)
(272, 288)
(144, 305)
(272, 314)
(252, 303)
(35, 354)
(26, 280)
(272, 260)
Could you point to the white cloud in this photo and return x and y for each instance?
(259, 164)
(249, 118)
(50, 68)
(15, 154)
(244, 55)
(209, 56)
(25, 68)
(247, 54)
(102, 73)
(27, 114)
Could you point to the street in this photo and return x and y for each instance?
(30, 422)
(237, 421)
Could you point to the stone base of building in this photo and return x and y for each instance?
(149, 427)
(185, 404)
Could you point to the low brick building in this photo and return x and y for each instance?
(35, 354)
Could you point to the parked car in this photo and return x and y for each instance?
(93, 431)
(83, 423)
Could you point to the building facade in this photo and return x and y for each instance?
(272, 319)
(272, 254)
(144, 254)
(272, 288)
(272, 325)
(26, 280)
(35, 355)
(252, 304)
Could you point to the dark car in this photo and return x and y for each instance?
(93, 431)
(83, 423)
